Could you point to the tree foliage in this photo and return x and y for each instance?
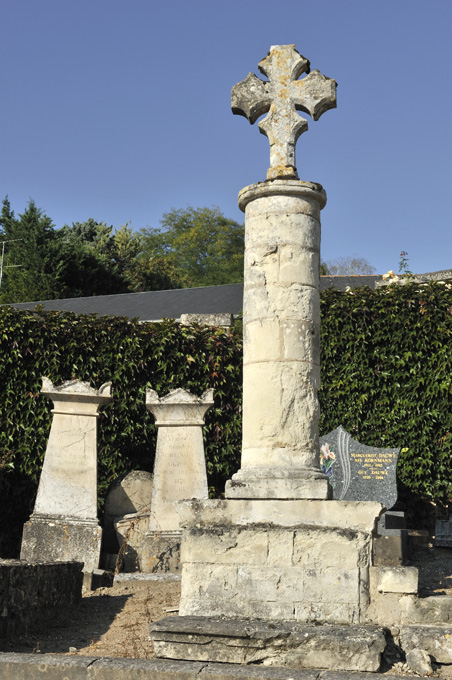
(193, 247)
(202, 245)
(348, 266)
(29, 272)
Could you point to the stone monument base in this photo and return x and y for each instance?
(160, 552)
(292, 645)
(50, 539)
(279, 483)
(292, 560)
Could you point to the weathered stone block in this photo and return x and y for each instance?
(287, 200)
(224, 671)
(279, 514)
(435, 640)
(390, 550)
(325, 612)
(300, 229)
(143, 669)
(320, 547)
(129, 494)
(258, 488)
(131, 532)
(425, 610)
(223, 319)
(46, 539)
(50, 666)
(228, 546)
(280, 548)
(258, 583)
(298, 264)
(160, 552)
(32, 592)
(419, 661)
(265, 338)
(209, 581)
(300, 339)
(398, 580)
(332, 584)
(293, 645)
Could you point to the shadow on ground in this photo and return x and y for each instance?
(79, 626)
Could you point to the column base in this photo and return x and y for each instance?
(161, 552)
(278, 483)
(50, 539)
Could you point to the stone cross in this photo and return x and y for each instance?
(281, 97)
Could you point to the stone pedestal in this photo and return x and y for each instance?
(281, 345)
(300, 560)
(179, 472)
(64, 523)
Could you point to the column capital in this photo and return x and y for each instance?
(311, 191)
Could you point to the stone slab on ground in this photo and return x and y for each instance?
(243, 641)
(140, 577)
(57, 667)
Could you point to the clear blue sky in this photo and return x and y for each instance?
(120, 110)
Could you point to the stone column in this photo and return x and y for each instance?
(179, 472)
(64, 523)
(281, 349)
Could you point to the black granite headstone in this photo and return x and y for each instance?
(358, 472)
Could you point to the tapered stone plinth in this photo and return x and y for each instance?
(179, 472)
(64, 523)
(281, 347)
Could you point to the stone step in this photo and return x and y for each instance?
(36, 666)
(272, 643)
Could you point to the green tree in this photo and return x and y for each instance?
(87, 264)
(29, 271)
(200, 244)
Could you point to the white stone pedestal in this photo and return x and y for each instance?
(299, 560)
(179, 472)
(64, 523)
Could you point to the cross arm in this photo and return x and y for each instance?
(315, 94)
(250, 98)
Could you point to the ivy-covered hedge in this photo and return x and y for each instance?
(386, 377)
(132, 355)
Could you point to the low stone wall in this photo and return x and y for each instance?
(31, 592)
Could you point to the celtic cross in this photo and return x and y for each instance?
(280, 97)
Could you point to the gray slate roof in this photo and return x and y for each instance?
(152, 305)
(170, 304)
